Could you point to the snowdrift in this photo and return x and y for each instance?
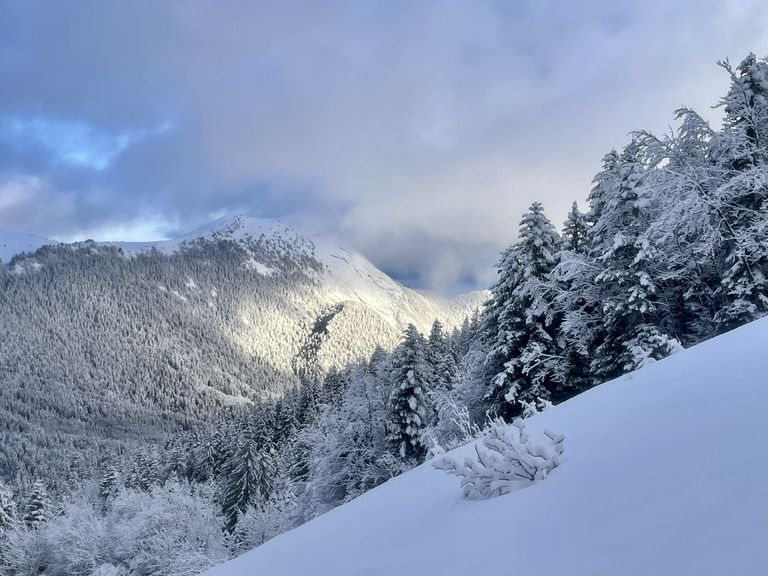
(664, 472)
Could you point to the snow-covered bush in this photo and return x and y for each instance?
(169, 531)
(512, 462)
(22, 551)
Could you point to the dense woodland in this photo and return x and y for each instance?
(670, 251)
(103, 351)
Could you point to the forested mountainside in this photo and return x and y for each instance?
(105, 346)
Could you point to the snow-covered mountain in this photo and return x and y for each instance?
(663, 473)
(110, 343)
(357, 305)
(12, 243)
(347, 276)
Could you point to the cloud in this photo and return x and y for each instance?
(31, 200)
(429, 125)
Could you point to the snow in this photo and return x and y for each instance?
(664, 473)
(258, 267)
(12, 243)
(227, 399)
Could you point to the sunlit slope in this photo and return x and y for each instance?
(664, 473)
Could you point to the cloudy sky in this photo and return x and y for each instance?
(417, 131)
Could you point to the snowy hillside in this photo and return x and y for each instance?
(663, 473)
(107, 343)
(12, 243)
(347, 275)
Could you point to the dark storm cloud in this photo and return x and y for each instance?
(418, 131)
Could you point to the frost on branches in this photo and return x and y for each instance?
(512, 462)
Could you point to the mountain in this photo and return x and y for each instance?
(361, 307)
(106, 346)
(663, 473)
(346, 276)
(12, 243)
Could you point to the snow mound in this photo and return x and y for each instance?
(664, 474)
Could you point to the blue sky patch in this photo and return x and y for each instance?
(70, 141)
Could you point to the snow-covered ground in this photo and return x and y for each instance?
(665, 472)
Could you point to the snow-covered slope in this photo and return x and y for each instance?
(324, 306)
(664, 473)
(347, 275)
(12, 243)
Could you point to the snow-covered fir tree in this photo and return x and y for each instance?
(110, 483)
(410, 410)
(519, 327)
(575, 230)
(248, 474)
(624, 253)
(38, 507)
(7, 508)
(441, 357)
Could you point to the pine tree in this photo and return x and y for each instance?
(621, 248)
(745, 131)
(440, 358)
(248, 475)
(685, 180)
(38, 506)
(739, 205)
(143, 473)
(7, 509)
(109, 484)
(410, 409)
(575, 230)
(520, 328)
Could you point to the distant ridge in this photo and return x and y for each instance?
(12, 243)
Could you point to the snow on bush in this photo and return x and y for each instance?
(512, 462)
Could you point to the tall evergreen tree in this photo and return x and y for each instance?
(618, 242)
(249, 474)
(410, 409)
(745, 127)
(575, 230)
(440, 357)
(38, 507)
(110, 483)
(7, 509)
(739, 206)
(523, 360)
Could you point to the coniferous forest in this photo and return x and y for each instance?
(669, 250)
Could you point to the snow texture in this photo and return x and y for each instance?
(662, 475)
